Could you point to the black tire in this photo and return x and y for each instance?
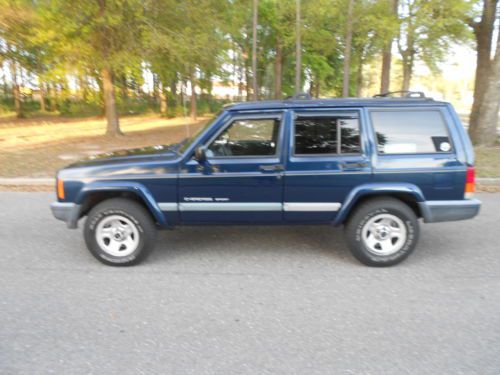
(130, 210)
(361, 217)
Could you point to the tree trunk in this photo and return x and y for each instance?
(4, 82)
(347, 50)
(182, 97)
(163, 100)
(42, 97)
(192, 80)
(173, 90)
(113, 124)
(278, 69)
(100, 92)
(84, 90)
(124, 87)
(407, 72)
(64, 91)
(359, 78)
(487, 116)
(53, 97)
(254, 49)
(5, 88)
(156, 89)
(408, 53)
(483, 31)
(311, 87)
(385, 80)
(241, 70)
(317, 88)
(16, 91)
(298, 51)
(235, 69)
(210, 87)
(247, 84)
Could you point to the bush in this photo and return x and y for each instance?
(6, 105)
(135, 106)
(72, 107)
(79, 108)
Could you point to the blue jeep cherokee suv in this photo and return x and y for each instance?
(373, 165)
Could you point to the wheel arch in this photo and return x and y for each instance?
(409, 194)
(97, 192)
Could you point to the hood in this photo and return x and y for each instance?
(149, 153)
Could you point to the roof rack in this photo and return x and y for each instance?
(404, 94)
(300, 96)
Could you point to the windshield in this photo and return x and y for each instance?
(187, 142)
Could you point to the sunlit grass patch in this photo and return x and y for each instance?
(30, 133)
(488, 161)
(38, 147)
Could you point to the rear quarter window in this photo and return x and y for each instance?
(410, 132)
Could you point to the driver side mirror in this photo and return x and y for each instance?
(200, 154)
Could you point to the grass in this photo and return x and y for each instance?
(37, 147)
(488, 161)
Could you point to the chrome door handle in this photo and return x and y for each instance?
(354, 164)
(271, 168)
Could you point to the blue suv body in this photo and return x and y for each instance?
(376, 165)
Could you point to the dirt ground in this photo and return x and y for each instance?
(38, 147)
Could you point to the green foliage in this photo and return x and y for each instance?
(93, 34)
(428, 28)
(79, 108)
(62, 46)
(6, 105)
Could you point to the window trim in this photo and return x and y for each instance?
(355, 114)
(239, 117)
(411, 109)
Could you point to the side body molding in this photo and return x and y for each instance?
(124, 186)
(374, 189)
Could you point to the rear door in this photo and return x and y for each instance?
(327, 158)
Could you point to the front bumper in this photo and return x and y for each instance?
(67, 212)
(436, 211)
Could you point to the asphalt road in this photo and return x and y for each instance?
(247, 300)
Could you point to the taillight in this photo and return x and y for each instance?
(60, 189)
(470, 182)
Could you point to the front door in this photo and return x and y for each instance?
(327, 158)
(242, 179)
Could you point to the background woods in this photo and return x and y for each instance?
(116, 57)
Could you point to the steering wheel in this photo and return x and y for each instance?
(221, 149)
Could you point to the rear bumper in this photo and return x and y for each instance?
(67, 212)
(436, 211)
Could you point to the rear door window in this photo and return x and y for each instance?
(327, 135)
(410, 132)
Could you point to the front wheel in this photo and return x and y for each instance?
(382, 232)
(119, 232)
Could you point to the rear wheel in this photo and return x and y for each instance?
(119, 232)
(382, 232)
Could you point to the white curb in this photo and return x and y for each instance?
(27, 181)
(488, 181)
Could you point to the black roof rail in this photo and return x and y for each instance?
(404, 94)
(300, 96)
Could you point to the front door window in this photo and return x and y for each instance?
(247, 138)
